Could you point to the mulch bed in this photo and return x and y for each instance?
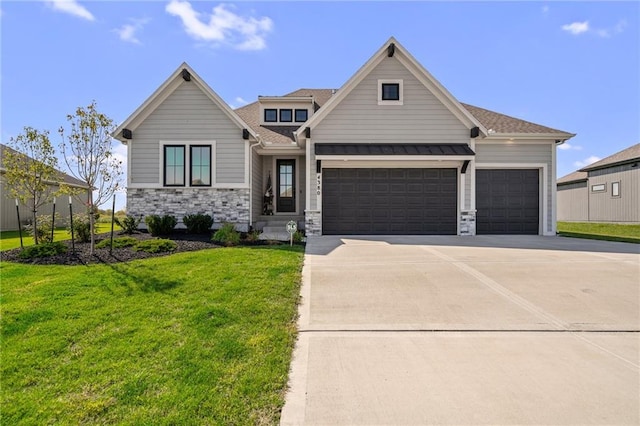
(185, 242)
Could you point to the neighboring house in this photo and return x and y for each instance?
(390, 152)
(9, 219)
(605, 191)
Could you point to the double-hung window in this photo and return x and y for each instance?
(174, 165)
(200, 156)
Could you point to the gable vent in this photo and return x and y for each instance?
(186, 75)
(391, 50)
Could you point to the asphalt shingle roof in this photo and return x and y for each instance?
(499, 123)
(626, 155)
(573, 177)
(68, 179)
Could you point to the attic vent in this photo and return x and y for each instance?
(391, 50)
(186, 75)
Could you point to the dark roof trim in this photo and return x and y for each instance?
(594, 167)
(392, 149)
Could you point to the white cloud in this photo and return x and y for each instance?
(576, 28)
(545, 9)
(127, 32)
(620, 26)
(567, 146)
(71, 7)
(586, 161)
(223, 26)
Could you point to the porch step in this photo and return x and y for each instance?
(274, 236)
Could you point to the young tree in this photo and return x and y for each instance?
(31, 173)
(87, 150)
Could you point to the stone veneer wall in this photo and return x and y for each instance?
(224, 205)
(468, 222)
(312, 222)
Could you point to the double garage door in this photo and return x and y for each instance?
(372, 201)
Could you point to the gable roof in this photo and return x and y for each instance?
(166, 89)
(66, 178)
(280, 135)
(629, 155)
(413, 66)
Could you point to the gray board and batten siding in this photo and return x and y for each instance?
(188, 115)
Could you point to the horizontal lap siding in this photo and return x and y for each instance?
(359, 119)
(521, 153)
(187, 115)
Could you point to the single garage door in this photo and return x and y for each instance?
(389, 201)
(507, 201)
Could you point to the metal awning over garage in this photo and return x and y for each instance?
(401, 149)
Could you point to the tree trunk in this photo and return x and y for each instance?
(35, 222)
(91, 223)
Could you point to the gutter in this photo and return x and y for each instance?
(251, 146)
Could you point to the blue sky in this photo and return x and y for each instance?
(574, 66)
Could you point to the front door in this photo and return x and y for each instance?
(286, 186)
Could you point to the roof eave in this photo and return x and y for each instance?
(559, 137)
(591, 168)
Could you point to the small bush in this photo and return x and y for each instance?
(155, 246)
(81, 228)
(43, 228)
(227, 235)
(298, 236)
(252, 236)
(160, 225)
(119, 242)
(43, 250)
(198, 223)
(129, 224)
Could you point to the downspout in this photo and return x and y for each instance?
(251, 189)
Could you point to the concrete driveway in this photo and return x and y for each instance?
(467, 330)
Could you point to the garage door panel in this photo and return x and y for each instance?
(507, 201)
(397, 201)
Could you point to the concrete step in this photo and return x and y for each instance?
(274, 236)
(275, 228)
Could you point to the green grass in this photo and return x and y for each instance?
(194, 338)
(601, 231)
(11, 239)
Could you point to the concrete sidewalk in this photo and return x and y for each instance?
(454, 330)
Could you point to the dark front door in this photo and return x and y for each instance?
(389, 201)
(286, 186)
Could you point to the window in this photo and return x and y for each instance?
(599, 188)
(174, 165)
(301, 115)
(615, 189)
(200, 165)
(270, 115)
(286, 115)
(390, 92)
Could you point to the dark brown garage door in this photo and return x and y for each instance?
(507, 201)
(389, 201)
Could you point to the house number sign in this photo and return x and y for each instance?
(318, 183)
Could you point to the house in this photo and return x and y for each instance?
(9, 218)
(605, 191)
(390, 152)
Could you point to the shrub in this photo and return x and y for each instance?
(129, 224)
(160, 225)
(298, 236)
(253, 236)
(155, 246)
(119, 242)
(227, 235)
(197, 223)
(43, 250)
(81, 228)
(43, 229)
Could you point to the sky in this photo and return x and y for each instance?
(573, 66)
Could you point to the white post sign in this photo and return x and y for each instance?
(292, 227)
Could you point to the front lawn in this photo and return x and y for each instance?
(600, 231)
(194, 338)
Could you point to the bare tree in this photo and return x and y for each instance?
(30, 170)
(88, 152)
